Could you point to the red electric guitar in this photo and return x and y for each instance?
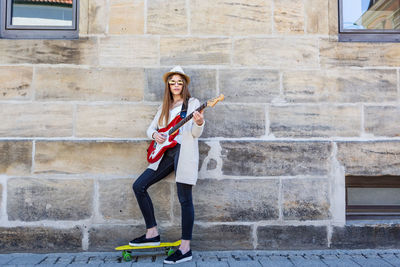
(155, 151)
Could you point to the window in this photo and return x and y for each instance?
(52, 19)
(373, 197)
(369, 20)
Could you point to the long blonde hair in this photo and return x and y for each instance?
(168, 99)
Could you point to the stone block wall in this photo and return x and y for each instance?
(301, 111)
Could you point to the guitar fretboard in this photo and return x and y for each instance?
(185, 120)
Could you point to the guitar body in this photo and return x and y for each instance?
(155, 151)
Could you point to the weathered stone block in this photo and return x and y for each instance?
(382, 121)
(128, 51)
(230, 17)
(83, 17)
(234, 200)
(250, 85)
(195, 51)
(289, 16)
(292, 237)
(334, 54)
(108, 84)
(222, 237)
(235, 121)
(40, 239)
(305, 199)
(366, 237)
(316, 16)
(165, 17)
(315, 121)
(102, 121)
(126, 17)
(370, 158)
(118, 201)
(340, 85)
(80, 52)
(107, 237)
(30, 199)
(333, 24)
(254, 158)
(202, 83)
(15, 157)
(97, 16)
(119, 158)
(36, 120)
(15, 83)
(203, 152)
(276, 52)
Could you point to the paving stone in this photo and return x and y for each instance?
(244, 264)
(213, 264)
(361, 260)
(391, 258)
(151, 264)
(301, 261)
(273, 261)
(340, 263)
(125, 264)
(28, 259)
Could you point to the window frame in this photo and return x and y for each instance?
(356, 35)
(9, 31)
(365, 212)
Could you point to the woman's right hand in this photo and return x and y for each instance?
(159, 137)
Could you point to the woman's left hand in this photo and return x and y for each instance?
(198, 117)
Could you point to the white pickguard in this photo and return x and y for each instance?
(159, 147)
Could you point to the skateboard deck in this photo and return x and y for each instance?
(127, 256)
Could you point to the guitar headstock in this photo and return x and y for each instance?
(214, 101)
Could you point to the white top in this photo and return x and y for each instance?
(188, 163)
(172, 114)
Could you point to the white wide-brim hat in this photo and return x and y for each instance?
(176, 70)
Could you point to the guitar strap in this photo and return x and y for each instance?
(184, 109)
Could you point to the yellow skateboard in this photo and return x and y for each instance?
(126, 250)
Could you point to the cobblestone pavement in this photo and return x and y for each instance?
(309, 258)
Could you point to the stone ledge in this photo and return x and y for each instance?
(40, 239)
(371, 237)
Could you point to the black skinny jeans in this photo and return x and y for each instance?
(149, 177)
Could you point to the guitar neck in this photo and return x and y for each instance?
(185, 120)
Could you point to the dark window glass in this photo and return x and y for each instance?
(369, 20)
(41, 13)
(372, 197)
(39, 18)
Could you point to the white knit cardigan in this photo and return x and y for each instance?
(188, 163)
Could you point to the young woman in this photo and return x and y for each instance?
(183, 158)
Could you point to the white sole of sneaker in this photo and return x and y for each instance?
(144, 244)
(179, 261)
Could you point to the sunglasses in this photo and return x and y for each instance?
(172, 82)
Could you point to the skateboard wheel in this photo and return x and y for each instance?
(126, 256)
(170, 252)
